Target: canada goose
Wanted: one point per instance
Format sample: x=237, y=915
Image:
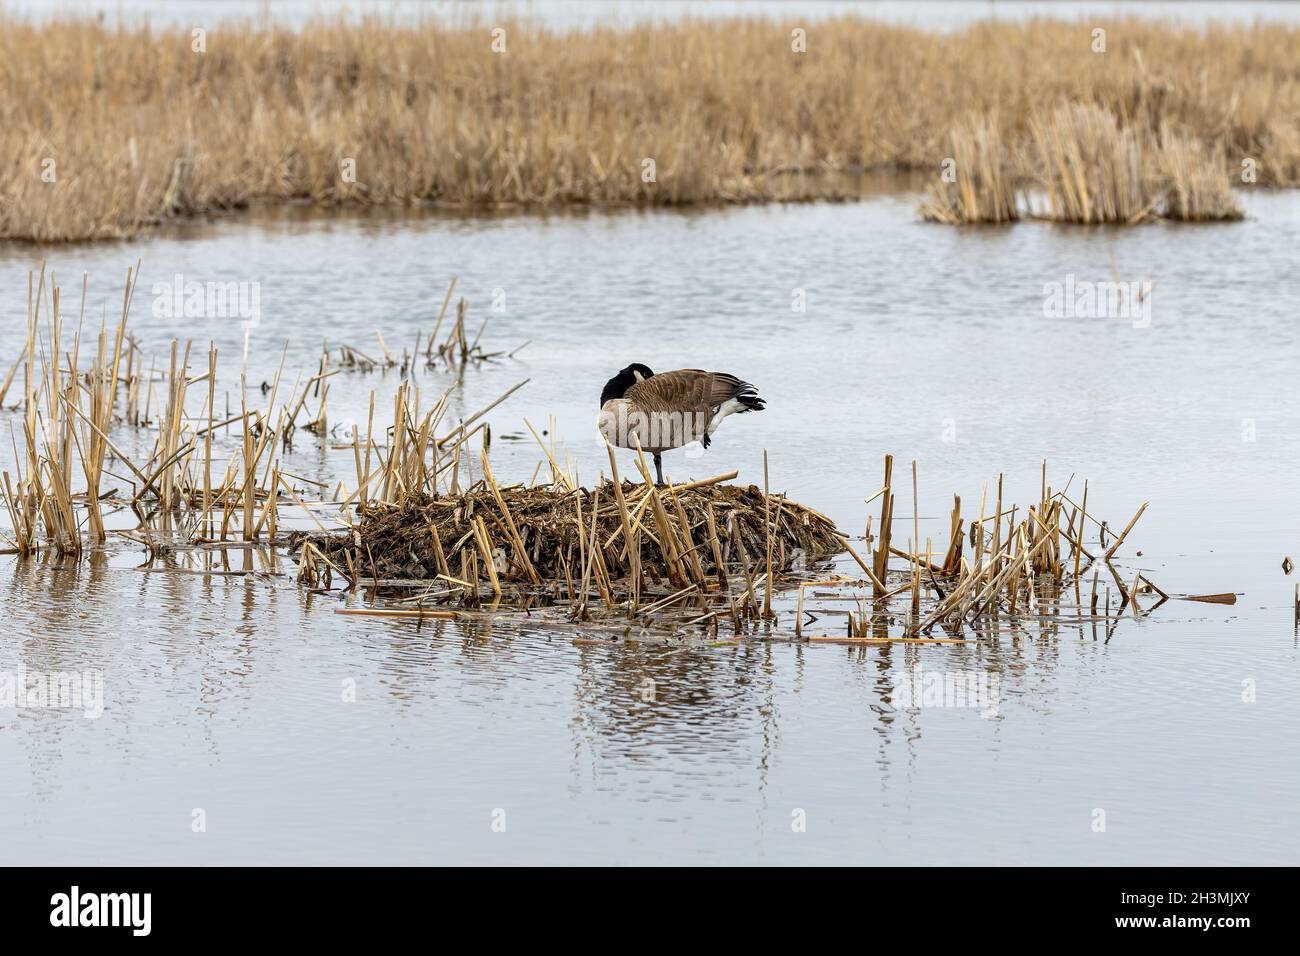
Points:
x=657, y=412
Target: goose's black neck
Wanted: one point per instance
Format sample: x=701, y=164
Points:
x=617, y=386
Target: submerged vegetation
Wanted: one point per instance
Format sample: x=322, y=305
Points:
x=105, y=131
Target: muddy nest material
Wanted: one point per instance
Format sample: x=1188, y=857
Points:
x=540, y=536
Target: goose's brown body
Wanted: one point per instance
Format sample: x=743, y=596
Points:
x=656, y=412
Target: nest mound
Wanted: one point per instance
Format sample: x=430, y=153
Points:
x=539, y=535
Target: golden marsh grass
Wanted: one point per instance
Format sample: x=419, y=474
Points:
x=105, y=131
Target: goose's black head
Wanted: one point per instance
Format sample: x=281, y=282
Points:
x=620, y=383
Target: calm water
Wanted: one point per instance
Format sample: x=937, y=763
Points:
x=225, y=693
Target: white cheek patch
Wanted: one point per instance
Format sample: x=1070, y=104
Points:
x=638, y=376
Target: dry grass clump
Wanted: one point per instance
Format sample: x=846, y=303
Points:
x=185, y=490
x=1082, y=165
x=67, y=412
x=1004, y=561
x=979, y=183
x=1090, y=168
x=140, y=127
x=1093, y=169
x=1193, y=185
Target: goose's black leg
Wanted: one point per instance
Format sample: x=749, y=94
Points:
x=659, y=471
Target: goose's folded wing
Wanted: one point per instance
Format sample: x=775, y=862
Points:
x=687, y=389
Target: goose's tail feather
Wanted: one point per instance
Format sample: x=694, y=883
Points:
x=747, y=396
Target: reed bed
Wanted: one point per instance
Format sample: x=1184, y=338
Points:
x=1082, y=165
x=993, y=566
x=67, y=415
x=71, y=412
x=1000, y=565
x=107, y=131
x=424, y=523
x=980, y=185
x=709, y=552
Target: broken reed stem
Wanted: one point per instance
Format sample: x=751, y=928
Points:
x=881, y=563
x=1124, y=534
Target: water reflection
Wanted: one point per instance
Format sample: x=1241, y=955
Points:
x=661, y=725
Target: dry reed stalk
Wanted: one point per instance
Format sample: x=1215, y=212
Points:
x=996, y=545
x=558, y=474
x=1083, y=516
x=1124, y=534
x=715, y=545
x=643, y=502
x=249, y=477
x=877, y=585
x=767, y=532
x=881, y=563
x=400, y=612
x=485, y=548
x=952, y=557
x=296, y=500
x=521, y=551
x=688, y=541
x=1226, y=598
x=668, y=543
x=272, y=505
x=207, y=439
x=747, y=599
x=875, y=641
x=1119, y=583
x=9, y=379
x=625, y=520
x=461, y=432
x=588, y=552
